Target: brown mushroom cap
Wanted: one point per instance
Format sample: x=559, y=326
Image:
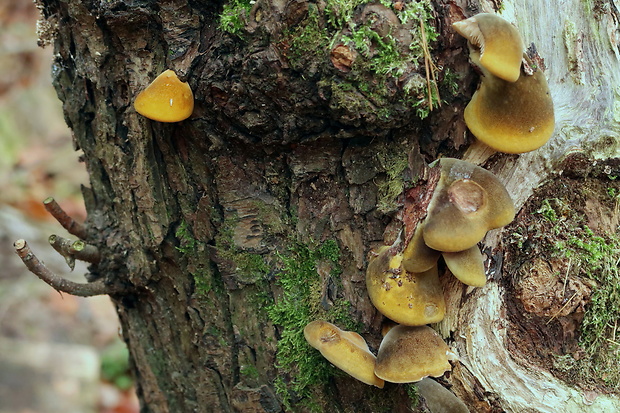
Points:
x=467, y=202
x=408, y=354
x=166, y=99
x=512, y=117
x=497, y=45
x=344, y=349
x=417, y=256
x=407, y=298
x=467, y=266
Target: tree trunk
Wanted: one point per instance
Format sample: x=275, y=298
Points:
x=233, y=229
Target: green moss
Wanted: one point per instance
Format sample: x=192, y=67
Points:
x=302, y=368
x=249, y=371
x=193, y=249
x=412, y=392
x=307, y=40
x=393, y=160
x=248, y=267
x=596, y=257
x=373, y=85
x=234, y=13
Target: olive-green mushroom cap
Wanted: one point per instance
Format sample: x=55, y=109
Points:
x=467, y=266
x=408, y=354
x=417, y=256
x=496, y=45
x=512, y=117
x=346, y=350
x=407, y=298
x=467, y=202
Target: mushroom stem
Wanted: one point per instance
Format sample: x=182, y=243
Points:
x=68, y=223
x=58, y=283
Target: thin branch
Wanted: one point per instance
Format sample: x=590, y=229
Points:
x=73, y=250
x=68, y=223
x=58, y=283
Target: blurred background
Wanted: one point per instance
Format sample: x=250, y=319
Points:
x=58, y=353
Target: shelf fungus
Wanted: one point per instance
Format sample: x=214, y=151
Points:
x=405, y=297
x=346, y=350
x=166, y=99
x=409, y=354
x=512, y=110
x=465, y=202
x=495, y=45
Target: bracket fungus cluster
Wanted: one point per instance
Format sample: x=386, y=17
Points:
x=402, y=280
x=166, y=99
x=512, y=110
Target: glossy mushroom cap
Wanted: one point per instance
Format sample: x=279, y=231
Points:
x=408, y=354
x=438, y=398
x=467, y=266
x=166, y=99
x=407, y=298
x=468, y=201
x=417, y=256
x=495, y=45
x=512, y=117
x=344, y=349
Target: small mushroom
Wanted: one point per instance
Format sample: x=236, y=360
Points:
x=495, y=45
x=166, y=99
x=467, y=202
x=407, y=298
x=346, y=350
x=417, y=256
x=512, y=117
x=467, y=266
x=408, y=354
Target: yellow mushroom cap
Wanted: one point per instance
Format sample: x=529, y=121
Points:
x=344, y=349
x=512, y=117
x=498, y=46
x=467, y=202
x=166, y=99
x=467, y=266
x=417, y=256
x=408, y=354
x=407, y=298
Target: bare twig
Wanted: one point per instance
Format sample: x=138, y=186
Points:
x=58, y=283
x=73, y=250
x=68, y=223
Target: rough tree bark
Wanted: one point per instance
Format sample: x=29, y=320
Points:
x=234, y=227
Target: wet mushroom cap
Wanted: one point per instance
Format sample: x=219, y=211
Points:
x=346, y=350
x=467, y=202
x=438, y=398
x=467, y=266
x=417, y=256
x=512, y=117
x=408, y=354
x=404, y=297
x=166, y=99
x=496, y=45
